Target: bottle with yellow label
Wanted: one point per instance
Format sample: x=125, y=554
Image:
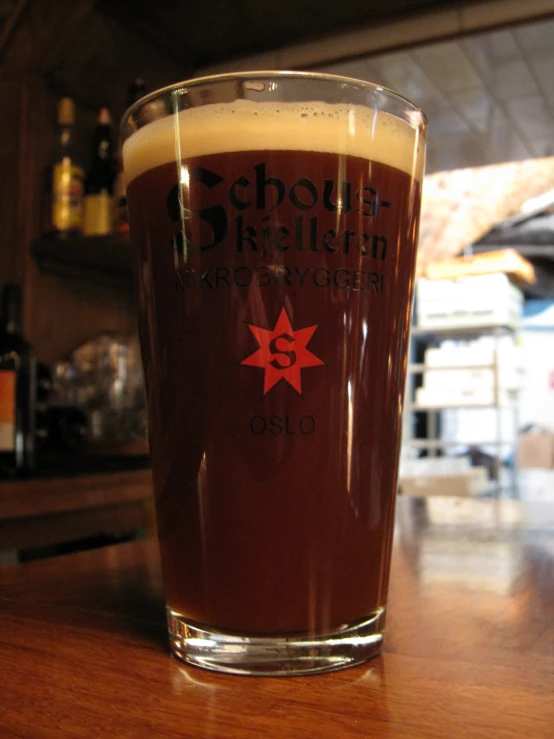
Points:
x=64, y=210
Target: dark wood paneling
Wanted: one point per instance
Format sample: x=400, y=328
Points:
x=202, y=33
x=105, y=256
x=98, y=64
x=61, y=47
x=40, y=38
x=11, y=268
x=69, y=311
x=60, y=312
x=84, y=53
x=83, y=287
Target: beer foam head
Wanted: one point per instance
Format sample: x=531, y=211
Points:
x=253, y=126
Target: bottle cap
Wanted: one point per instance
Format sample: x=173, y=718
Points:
x=66, y=112
x=11, y=307
x=136, y=90
x=11, y=292
x=104, y=116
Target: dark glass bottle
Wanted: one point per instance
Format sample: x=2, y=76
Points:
x=103, y=168
x=17, y=389
x=136, y=90
x=99, y=211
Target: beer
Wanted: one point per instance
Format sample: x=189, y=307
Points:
x=274, y=259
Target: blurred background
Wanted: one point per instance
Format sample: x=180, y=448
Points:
x=479, y=415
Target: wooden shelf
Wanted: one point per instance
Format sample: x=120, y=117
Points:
x=440, y=443
x=458, y=406
x=417, y=369
x=93, y=256
x=457, y=331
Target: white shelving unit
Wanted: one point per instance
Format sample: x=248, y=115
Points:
x=432, y=443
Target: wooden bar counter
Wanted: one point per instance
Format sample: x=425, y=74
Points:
x=469, y=648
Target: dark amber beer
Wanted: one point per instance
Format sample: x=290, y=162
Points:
x=274, y=247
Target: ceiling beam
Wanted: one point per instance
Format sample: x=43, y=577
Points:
x=423, y=28
x=80, y=52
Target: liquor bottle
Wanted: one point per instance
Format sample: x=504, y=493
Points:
x=135, y=91
x=64, y=208
x=17, y=389
x=99, y=210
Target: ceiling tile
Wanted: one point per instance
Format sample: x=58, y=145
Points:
x=505, y=142
x=456, y=153
x=401, y=72
x=516, y=150
x=542, y=146
x=359, y=69
x=536, y=40
x=500, y=134
x=499, y=46
x=443, y=119
x=483, y=95
x=505, y=77
x=440, y=158
x=513, y=78
x=396, y=71
x=475, y=151
x=531, y=115
x=475, y=106
x=543, y=68
x=447, y=67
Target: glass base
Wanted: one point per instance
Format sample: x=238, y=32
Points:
x=300, y=654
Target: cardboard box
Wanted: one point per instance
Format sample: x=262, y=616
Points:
x=471, y=482
x=475, y=353
x=463, y=302
x=472, y=380
x=536, y=450
x=426, y=397
x=519, y=270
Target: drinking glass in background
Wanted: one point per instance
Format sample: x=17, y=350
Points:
x=274, y=222
x=103, y=378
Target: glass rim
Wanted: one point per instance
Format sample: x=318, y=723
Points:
x=265, y=74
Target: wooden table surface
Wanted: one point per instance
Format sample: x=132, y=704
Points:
x=469, y=646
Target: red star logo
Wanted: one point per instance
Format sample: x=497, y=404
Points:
x=283, y=352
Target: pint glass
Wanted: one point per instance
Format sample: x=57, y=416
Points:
x=274, y=220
